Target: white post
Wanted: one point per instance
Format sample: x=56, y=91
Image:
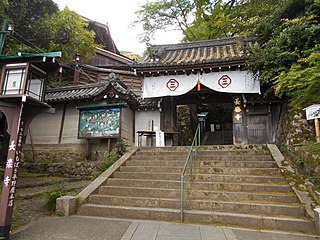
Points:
x=317, y=127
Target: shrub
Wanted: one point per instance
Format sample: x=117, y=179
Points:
x=312, y=147
x=52, y=198
x=119, y=150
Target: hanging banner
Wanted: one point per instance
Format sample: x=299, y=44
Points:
x=171, y=85
x=175, y=85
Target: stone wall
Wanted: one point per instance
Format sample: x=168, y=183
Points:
x=308, y=163
x=62, y=159
x=294, y=128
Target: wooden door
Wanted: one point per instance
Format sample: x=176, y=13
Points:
x=257, y=128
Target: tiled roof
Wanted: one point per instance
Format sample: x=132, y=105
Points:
x=149, y=103
x=106, y=70
x=194, y=53
x=74, y=93
x=87, y=92
x=118, y=85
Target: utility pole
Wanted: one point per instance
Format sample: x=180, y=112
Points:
x=3, y=34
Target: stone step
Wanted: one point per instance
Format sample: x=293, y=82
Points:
x=201, y=150
x=231, y=185
x=231, y=163
x=239, y=178
x=207, y=170
x=147, y=175
x=238, y=207
x=202, y=177
x=204, y=163
x=248, y=187
x=199, y=194
x=203, y=157
x=218, y=218
x=282, y=223
x=236, y=157
x=160, y=214
x=210, y=152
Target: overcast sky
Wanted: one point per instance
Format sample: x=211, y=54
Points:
x=119, y=15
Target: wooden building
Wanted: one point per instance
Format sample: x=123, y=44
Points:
x=103, y=87
x=211, y=77
x=97, y=114
x=107, y=59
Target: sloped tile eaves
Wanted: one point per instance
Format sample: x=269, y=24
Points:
x=74, y=94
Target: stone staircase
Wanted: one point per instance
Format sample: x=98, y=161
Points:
x=232, y=186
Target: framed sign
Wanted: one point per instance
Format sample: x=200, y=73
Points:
x=99, y=123
x=313, y=111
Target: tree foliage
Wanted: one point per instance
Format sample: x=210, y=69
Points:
x=289, y=42
x=302, y=81
x=3, y=6
x=39, y=26
x=136, y=57
x=288, y=33
x=68, y=27
x=23, y=13
x=163, y=15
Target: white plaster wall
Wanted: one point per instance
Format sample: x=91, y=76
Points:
x=45, y=128
x=70, y=128
x=127, y=131
x=143, y=122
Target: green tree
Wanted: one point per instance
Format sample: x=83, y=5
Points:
x=136, y=57
x=68, y=27
x=23, y=16
x=39, y=26
x=302, y=81
x=288, y=33
x=197, y=19
x=3, y=6
x=285, y=42
x=164, y=15
x=214, y=19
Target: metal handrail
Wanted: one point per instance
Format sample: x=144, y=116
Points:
x=192, y=154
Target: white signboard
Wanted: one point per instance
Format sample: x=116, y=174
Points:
x=175, y=85
x=313, y=111
x=160, y=139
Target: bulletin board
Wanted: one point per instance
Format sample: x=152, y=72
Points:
x=99, y=123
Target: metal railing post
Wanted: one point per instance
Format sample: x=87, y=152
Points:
x=192, y=154
x=199, y=136
x=182, y=198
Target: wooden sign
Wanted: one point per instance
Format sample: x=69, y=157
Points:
x=313, y=111
x=99, y=123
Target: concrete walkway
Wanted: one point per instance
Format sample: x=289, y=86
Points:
x=92, y=228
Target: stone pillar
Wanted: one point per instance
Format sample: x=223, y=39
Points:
x=66, y=205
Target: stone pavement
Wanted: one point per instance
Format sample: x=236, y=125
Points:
x=93, y=228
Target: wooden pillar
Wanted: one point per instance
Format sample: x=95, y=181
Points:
x=62, y=123
x=169, y=115
x=11, y=170
x=238, y=121
x=76, y=76
x=317, y=127
x=88, y=149
x=19, y=117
